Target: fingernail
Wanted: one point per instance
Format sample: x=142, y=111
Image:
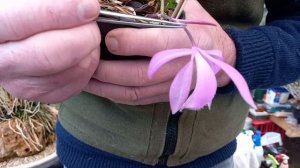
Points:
x=112, y=44
x=88, y=9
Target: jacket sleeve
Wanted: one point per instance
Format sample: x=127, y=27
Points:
x=269, y=55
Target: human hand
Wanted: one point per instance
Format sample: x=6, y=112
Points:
x=127, y=82
x=49, y=49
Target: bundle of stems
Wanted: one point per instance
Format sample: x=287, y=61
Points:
x=144, y=7
x=26, y=118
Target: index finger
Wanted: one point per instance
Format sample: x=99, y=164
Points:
x=134, y=72
x=23, y=18
x=145, y=42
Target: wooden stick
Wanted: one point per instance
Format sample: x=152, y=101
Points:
x=178, y=8
x=162, y=7
x=181, y=9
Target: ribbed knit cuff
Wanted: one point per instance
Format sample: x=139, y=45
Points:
x=76, y=154
x=255, y=57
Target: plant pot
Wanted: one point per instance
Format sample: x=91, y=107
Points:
x=106, y=27
x=104, y=53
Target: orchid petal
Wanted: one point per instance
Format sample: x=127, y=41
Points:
x=236, y=77
x=214, y=67
x=218, y=55
x=165, y=56
x=206, y=85
x=181, y=86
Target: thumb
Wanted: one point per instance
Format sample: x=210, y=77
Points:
x=147, y=42
x=23, y=18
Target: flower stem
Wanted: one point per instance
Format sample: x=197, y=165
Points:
x=190, y=37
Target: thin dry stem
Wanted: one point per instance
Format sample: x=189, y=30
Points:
x=177, y=9
x=162, y=7
x=181, y=9
x=134, y=7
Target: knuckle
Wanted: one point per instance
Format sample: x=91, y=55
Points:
x=102, y=73
x=94, y=63
x=132, y=95
x=141, y=73
x=98, y=90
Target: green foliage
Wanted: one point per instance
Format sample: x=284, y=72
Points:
x=171, y=4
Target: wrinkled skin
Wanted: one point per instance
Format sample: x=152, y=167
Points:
x=49, y=49
x=127, y=82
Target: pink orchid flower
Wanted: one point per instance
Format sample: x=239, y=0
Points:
x=207, y=63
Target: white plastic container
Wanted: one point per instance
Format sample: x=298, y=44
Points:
x=259, y=151
x=276, y=96
x=271, y=138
